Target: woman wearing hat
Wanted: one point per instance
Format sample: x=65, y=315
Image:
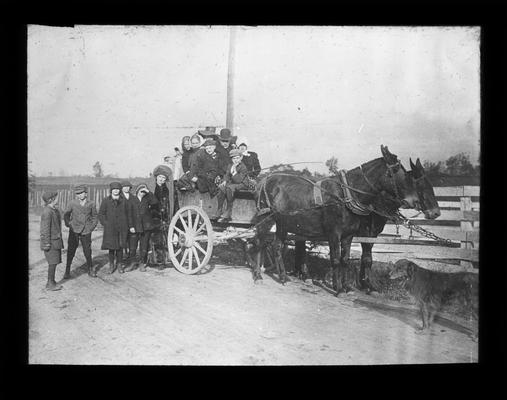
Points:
x=51, y=237
x=81, y=219
x=234, y=179
x=146, y=208
x=113, y=216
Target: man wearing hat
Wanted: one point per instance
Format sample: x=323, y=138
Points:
x=226, y=142
x=113, y=216
x=234, y=179
x=250, y=159
x=207, y=171
x=51, y=237
x=130, y=199
x=81, y=219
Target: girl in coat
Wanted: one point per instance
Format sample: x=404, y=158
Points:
x=113, y=216
x=51, y=237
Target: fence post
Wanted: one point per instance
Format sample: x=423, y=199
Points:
x=466, y=226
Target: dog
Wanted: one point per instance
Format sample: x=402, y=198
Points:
x=431, y=289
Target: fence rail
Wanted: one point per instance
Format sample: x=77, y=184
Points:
x=460, y=210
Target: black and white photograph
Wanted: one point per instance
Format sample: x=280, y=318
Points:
x=272, y=195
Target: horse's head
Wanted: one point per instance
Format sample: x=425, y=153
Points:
x=426, y=201
x=397, y=181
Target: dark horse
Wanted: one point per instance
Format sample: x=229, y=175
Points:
x=381, y=185
x=373, y=224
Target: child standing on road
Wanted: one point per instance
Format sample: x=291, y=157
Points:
x=51, y=237
x=113, y=216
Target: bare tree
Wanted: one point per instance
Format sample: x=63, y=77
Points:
x=97, y=170
x=332, y=164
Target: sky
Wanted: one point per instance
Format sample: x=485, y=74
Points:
x=125, y=95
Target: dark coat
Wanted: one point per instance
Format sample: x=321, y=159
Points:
x=51, y=229
x=207, y=166
x=146, y=213
x=130, y=209
x=185, y=159
x=252, y=164
x=239, y=177
x=113, y=216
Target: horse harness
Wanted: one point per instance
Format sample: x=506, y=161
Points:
x=348, y=200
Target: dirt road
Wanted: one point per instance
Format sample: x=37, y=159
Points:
x=221, y=318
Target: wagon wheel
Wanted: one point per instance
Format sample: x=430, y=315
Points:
x=190, y=239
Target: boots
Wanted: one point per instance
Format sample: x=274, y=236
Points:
x=52, y=285
x=119, y=261
x=91, y=271
x=112, y=266
x=66, y=275
x=226, y=217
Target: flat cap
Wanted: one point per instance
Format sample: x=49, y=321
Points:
x=48, y=196
x=125, y=183
x=80, y=189
x=235, y=152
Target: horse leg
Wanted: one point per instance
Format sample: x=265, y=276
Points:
x=344, y=262
x=300, y=267
x=365, y=271
x=334, y=256
x=278, y=244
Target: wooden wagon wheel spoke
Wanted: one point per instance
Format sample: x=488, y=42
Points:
x=203, y=225
x=183, y=223
x=196, y=255
x=178, y=252
x=197, y=245
x=196, y=222
x=190, y=258
x=179, y=230
x=184, y=258
x=201, y=238
x=189, y=219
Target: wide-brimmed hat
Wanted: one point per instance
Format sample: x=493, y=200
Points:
x=209, y=142
x=226, y=136
x=142, y=186
x=115, y=185
x=235, y=152
x=80, y=189
x=208, y=131
x=48, y=196
x=126, y=183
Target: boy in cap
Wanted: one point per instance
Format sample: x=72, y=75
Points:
x=51, y=237
x=234, y=179
x=81, y=219
x=113, y=216
x=130, y=199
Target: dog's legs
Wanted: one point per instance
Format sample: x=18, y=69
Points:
x=423, y=307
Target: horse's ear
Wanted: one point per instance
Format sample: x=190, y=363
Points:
x=418, y=164
x=412, y=166
x=383, y=150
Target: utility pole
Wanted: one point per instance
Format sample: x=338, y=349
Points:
x=229, y=123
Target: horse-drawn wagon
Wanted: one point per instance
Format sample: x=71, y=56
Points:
x=191, y=234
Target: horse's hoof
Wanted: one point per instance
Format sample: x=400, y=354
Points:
x=258, y=281
x=421, y=331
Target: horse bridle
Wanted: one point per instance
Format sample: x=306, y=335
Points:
x=390, y=173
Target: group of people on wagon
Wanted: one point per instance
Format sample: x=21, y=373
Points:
x=218, y=165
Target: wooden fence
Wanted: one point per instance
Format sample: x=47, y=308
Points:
x=459, y=222
x=95, y=194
